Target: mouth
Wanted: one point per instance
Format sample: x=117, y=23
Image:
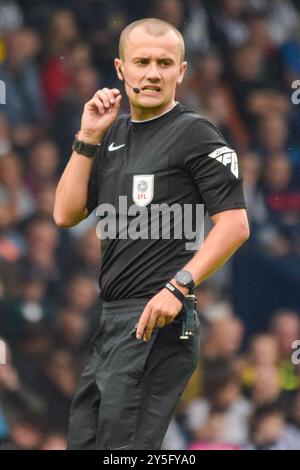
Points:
x=153, y=88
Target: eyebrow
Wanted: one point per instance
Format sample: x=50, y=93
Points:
x=170, y=59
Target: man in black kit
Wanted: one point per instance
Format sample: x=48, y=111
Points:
x=163, y=153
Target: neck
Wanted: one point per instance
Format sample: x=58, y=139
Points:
x=141, y=114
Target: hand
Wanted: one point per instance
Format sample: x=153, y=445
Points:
x=159, y=311
x=99, y=114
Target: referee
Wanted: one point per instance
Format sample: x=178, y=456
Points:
x=162, y=153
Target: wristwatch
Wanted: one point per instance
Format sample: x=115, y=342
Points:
x=185, y=279
x=88, y=150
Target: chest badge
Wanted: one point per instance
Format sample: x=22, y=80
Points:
x=143, y=189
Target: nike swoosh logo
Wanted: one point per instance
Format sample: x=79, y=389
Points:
x=111, y=148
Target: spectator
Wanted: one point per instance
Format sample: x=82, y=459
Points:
x=26, y=311
x=286, y=327
x=56, y=382
x=11, y=18
x=62, y=35
x=223, y=339
x=12, y=184
x=267, y=388
x=252, y=172
x=41, y=244
x=269, y=431
x=221, y=415
x=71, y=330
x=196, y=30
x=25, y=109
x=283, y=20
x=42, y=164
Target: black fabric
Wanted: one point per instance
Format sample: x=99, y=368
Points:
x=129, y=389
x=176, y=148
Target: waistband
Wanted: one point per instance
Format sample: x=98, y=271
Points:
x=117, y=306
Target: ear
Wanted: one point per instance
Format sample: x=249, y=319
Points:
x=118, y=65
x=182, y=70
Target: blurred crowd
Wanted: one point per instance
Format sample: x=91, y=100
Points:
x=243, y=57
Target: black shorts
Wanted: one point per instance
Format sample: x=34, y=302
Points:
x=129, y=389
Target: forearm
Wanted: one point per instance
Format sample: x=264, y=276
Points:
x=226, y=236
x=218, y=247
x=72, y=190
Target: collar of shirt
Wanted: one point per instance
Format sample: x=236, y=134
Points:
x=155, y=117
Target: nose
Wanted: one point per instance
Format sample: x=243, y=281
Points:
x=153, y=72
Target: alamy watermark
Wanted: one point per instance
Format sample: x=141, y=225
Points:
x=2, y=92
x=296, y=94
x=153, y=222
x=296, y=354
x=2, y=352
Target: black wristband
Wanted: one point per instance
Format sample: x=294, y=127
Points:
x=82, y=148
x=178, y=294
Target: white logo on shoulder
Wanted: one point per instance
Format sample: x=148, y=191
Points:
x=111, y=148
x=143, y=189
x=227, y=157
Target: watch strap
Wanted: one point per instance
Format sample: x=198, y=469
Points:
x=83, y=148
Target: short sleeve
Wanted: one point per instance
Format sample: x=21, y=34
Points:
x=214, y=168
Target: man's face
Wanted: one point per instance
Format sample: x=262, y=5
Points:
x=152, y=64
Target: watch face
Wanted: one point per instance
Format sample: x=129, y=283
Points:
x=184, y=278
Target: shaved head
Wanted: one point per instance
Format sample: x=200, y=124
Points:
x=154, y=27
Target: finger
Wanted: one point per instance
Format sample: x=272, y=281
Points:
x=108, y=96
x=150, y=327
x=99, y=104
x=161, y=321
x=117, y=103
x=169, y=320
x=143, y=321
x=94, y=105
x=103, y=97
x=115, y=91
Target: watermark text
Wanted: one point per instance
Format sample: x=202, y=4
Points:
x=2, y=352
x=2, y=92
x=296, y=94
x=152, y=222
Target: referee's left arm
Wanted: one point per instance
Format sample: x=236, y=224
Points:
x=230, y=231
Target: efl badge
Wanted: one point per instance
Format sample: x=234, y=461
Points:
x=143, y=189
x=227, y=157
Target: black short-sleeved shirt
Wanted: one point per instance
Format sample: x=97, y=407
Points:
x=177, y=157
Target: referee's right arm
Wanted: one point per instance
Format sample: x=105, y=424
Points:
x=72, y=191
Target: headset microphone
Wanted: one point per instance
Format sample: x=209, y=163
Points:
x=135, y=89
